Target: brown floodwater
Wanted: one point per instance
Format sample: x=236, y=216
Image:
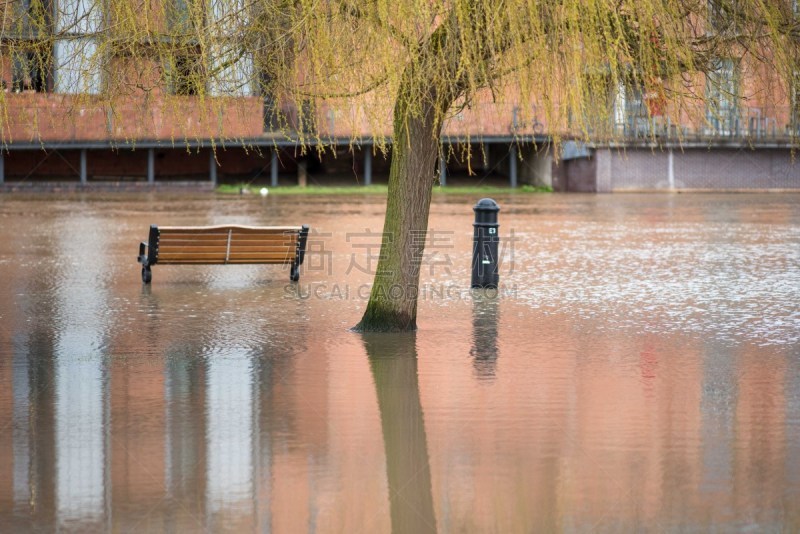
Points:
x=638, y=369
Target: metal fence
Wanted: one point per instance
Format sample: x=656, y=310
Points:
x=743, y=124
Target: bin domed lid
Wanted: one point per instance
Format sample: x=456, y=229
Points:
x=486, y=204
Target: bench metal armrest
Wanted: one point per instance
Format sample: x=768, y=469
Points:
x=301, y=244
x=152, y=247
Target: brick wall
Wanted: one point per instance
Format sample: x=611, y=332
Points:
x=53, y=117
x=703, y=168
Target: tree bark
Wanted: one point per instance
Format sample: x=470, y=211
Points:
x=429, y=86
x=392, y=304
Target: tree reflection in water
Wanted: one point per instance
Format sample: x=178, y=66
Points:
x=393, y=362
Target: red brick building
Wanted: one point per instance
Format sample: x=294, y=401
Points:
x=72, y=117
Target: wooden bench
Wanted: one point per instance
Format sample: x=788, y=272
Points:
x=207, y=245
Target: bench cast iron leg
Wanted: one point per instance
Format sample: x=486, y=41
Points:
x=294, y=274
x=147, y=274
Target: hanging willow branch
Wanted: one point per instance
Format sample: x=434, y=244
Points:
x=566, y=58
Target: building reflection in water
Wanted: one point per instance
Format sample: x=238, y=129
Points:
x=393, y=362
x=81, y=410
x=718, y=411
x=219, y=411
x=21, y=439
x=230, y=438
x=277, y=421
x=184, y=443
x=27, y=457
x=484, y=332
x=792, y=460
x=230, y=429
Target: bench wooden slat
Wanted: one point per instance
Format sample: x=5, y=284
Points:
x=224, y=243
x=224, y=229
x=222, y=262
x=178, y=256
x=234, y=231
x=200, y=237
x=241, y=249
x=221, y=257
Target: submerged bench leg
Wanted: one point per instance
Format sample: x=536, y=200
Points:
x=147, y=274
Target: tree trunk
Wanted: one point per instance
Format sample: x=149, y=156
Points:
x=429, y=86
x=392, y=305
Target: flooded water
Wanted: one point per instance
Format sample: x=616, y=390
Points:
x=638, y=369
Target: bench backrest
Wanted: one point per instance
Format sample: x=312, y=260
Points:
x=226, y=244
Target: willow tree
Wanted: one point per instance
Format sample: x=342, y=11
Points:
x=411, y=64
x=565, y=56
